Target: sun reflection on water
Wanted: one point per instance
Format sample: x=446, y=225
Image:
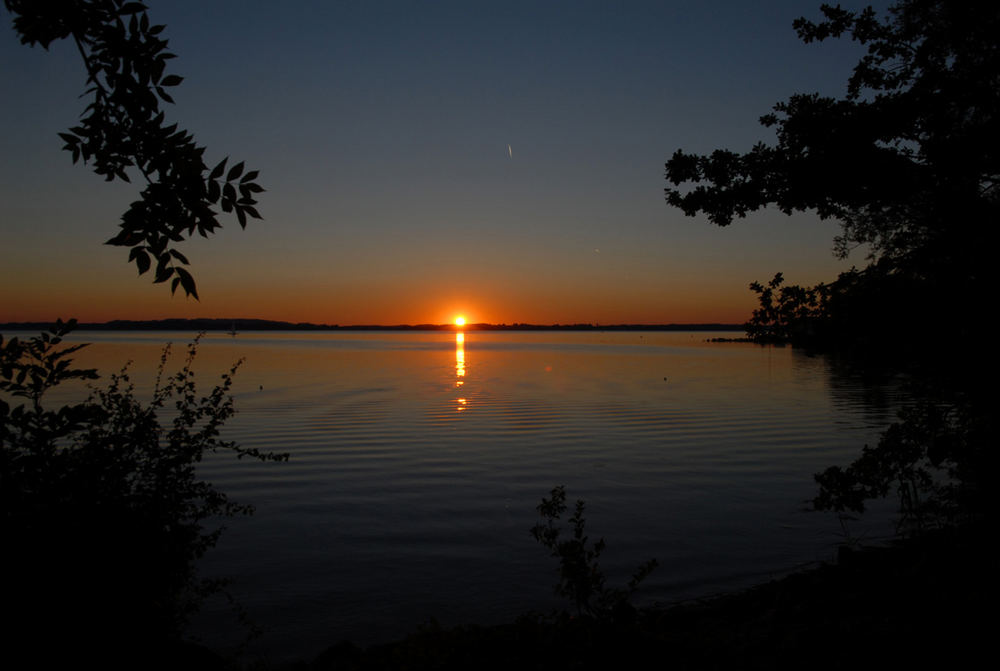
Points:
x=460, y=368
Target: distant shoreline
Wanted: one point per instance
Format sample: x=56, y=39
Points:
x=238, y=325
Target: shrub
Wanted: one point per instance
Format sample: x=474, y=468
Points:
x=104, y=515
x=581, y=578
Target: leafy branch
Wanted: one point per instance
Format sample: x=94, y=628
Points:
x=123, y=128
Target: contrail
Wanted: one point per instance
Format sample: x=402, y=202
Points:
x=510, y=152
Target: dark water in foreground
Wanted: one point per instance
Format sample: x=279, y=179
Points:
x=417, y=460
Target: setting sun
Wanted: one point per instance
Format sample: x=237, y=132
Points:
x=459, y=321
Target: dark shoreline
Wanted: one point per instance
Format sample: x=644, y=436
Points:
x=230, y=325
x=918, y=602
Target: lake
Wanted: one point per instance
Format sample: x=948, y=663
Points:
x=418, y=458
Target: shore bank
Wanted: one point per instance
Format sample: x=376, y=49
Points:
x=919, y=601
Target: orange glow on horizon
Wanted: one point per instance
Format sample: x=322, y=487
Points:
x=359, y=305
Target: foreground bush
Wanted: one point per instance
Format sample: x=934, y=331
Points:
x=103, y=512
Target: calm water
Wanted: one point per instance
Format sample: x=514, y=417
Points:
x=417, y=460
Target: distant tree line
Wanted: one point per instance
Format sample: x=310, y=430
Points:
x=229, y=325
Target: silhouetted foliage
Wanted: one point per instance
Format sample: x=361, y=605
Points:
x=581, y=578
x=900, y=160
x=870, y=314
x=103, y=512
x=908, y=160
x=123, y=129
x=786, y=313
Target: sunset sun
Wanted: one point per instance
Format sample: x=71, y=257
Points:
x=460, y=321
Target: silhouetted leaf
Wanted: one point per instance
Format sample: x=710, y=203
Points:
x=163, y=273
x=187, y=281
x=217, y=170
x=142, y=260
x=163, y=94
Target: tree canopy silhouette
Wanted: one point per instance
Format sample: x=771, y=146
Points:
x=123, y=129
x=908, y=161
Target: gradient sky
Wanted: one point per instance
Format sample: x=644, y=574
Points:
x=381, y=132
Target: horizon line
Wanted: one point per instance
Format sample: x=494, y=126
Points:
x=251, y=324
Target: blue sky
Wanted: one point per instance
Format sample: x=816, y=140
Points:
x=381, y=133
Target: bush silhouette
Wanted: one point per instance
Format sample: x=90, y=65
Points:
x=581, y=578
x=104, y=515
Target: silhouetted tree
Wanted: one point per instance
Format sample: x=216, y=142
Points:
x=908, y=160
x=123, y=130
x=786, y=313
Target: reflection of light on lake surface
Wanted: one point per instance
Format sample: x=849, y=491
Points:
x=460, y=368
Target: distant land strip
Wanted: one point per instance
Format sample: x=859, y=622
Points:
x=237, y=325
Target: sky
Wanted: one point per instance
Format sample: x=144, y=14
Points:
x=500, y=160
